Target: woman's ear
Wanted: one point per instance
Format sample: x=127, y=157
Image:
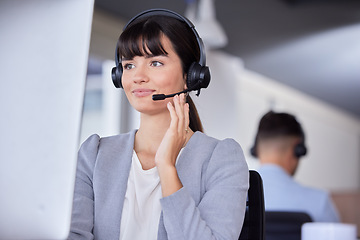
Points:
x=185, y=85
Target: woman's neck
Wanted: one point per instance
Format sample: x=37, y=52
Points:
x=151, y=132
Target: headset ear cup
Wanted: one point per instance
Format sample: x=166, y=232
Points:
x=204, y=77
x=253, y=151
x=116, y=74
x=300, y=150
x=198, y=76
x=191, y=80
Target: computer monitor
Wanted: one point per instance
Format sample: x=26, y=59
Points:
x=44, y=47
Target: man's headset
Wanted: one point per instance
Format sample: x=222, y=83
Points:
x=198, y=74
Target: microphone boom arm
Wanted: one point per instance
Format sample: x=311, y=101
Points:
x=157, y=97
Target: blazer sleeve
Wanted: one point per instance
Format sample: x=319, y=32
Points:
x=220, y=213
x=82, y=221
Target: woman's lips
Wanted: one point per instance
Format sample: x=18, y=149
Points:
x=143, y=92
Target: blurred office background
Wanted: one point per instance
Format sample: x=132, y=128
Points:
x=298, y=56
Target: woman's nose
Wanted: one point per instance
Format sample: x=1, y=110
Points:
x=141, y=75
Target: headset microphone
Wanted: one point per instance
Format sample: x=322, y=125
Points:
x=157, y=97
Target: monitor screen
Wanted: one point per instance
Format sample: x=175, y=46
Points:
x=44, y=47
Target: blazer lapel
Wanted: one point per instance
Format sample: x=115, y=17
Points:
x=111, y=192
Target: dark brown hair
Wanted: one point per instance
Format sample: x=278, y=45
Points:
x=143, y=37
x=274, y=125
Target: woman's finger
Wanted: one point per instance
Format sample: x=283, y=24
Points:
x=173, y=115
x=179, y=108
x=187, y=116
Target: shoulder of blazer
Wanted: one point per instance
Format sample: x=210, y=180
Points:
x=202, y=139
x=115, y=149
x=202, y=142
x=119, y=139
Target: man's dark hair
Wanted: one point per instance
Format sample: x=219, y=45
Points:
x=279, y=125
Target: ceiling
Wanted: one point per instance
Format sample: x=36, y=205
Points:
x=311, y=45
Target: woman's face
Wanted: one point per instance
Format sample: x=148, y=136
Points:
x=144, y=76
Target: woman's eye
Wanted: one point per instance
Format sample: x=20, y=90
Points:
x=156, y=64
x=128, y=66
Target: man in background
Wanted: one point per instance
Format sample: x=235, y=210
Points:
x=279, y=145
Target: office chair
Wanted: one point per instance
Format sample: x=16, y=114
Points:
x=284, y=225
x=253, y=227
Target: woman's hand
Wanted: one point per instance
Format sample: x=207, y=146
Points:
x=176, y=135
x=170, y=146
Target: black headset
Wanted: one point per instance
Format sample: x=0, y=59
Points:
x=198, y=75
x=300, y=149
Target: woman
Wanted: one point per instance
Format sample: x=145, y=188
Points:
x=166, y=180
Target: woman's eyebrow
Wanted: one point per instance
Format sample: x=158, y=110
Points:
x=146, y=56
x=153, y=55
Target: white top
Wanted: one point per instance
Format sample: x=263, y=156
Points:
x=141, y=210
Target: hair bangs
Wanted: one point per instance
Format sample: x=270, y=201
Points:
x=141, y=40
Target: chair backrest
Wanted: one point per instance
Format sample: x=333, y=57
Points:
x=284, y=225
x=253, y=227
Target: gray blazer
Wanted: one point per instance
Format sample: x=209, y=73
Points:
x=211, y=204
